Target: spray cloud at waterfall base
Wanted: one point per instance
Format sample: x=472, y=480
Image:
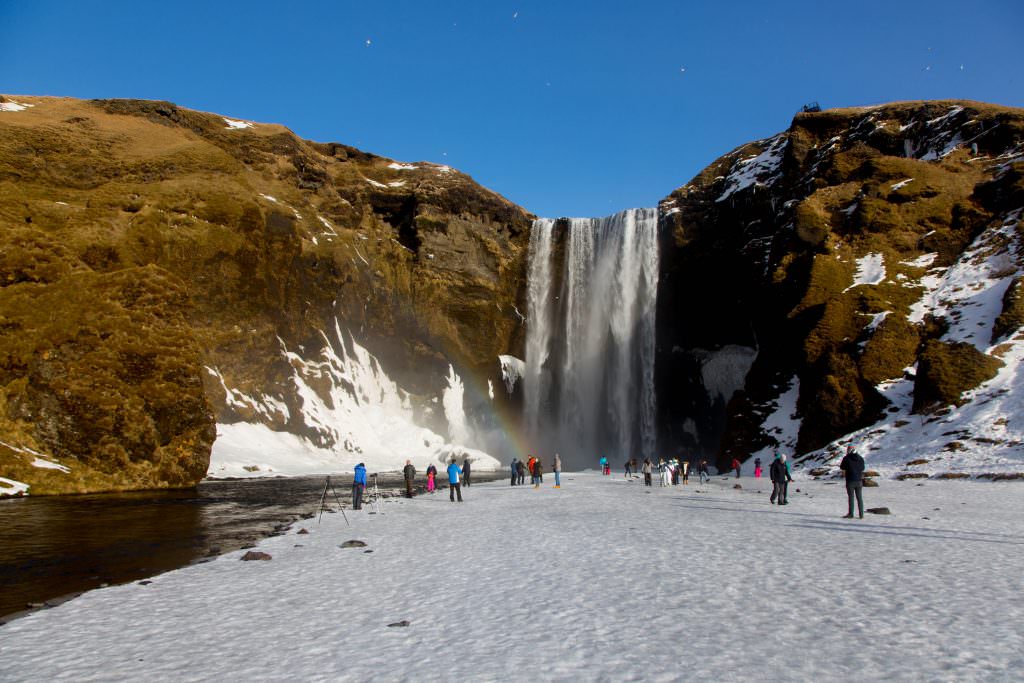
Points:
x=588, y=379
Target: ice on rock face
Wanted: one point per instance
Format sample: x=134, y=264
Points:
x=724, y=372
x=350, y=410
x=512, y=370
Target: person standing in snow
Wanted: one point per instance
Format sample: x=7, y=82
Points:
x=853, y=466
x=605, y=467
x=431, y=478
x=785, y=482
x=663, y=467
x=627, y=469
x=757, y=468
x=521, y=471
x=538, y=468
x=410, y=474
x=702, y=470
x=685, y=465
x=736, y=467
x=777, y=473
x=646, y=469
x=465, y=471
x=557, y=468
x=454, y=487
x=358, y=486
x=529, y=466
x=515, y=470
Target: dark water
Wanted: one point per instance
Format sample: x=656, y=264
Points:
x=59, y=546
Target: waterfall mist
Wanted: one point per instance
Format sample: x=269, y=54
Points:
x=589, y=376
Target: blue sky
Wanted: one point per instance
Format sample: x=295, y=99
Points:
x=567, y=108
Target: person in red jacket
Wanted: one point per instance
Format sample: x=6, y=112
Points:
x=736, y=467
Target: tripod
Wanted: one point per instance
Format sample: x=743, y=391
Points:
x=323, y=499
x=375, y=497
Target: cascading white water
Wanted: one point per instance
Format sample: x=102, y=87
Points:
x=589, y=377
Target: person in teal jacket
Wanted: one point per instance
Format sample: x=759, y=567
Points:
x=454, y=487
x=358, y=486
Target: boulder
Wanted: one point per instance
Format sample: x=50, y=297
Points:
x=255, y=555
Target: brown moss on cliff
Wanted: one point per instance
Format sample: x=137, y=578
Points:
x=946, y=370
x=276, y=237
x=101, y=372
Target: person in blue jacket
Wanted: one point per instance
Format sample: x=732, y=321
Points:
x=454, y=487
x=358, y=486
x=515, y=470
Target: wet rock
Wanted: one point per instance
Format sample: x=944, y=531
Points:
x=737, y=486
x=145, y=583
x=400, y=624
x=870, y=483
x=353, y=544
x=878, y=511
x=255, y=555
x=303, y=532
x=911, y=475
x=367, y=551
x=35, y=605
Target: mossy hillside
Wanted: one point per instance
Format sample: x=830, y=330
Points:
x=101, y=372
x=947, y=370
x=275, y=239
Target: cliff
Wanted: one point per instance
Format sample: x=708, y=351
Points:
x=860, y=267
x=162, y=269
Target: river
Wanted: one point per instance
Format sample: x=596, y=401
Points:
x=55, y=547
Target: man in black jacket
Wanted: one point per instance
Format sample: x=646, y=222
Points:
x=465, y=471
x=853, y=466
x=780, y=477
x=410, y=474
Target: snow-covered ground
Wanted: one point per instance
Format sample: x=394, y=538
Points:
x=599, y=580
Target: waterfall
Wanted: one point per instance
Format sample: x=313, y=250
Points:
x=589, y=377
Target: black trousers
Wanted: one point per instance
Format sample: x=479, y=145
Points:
x=357, y=496
x=465, y=478
x=855, y=489
x=522, y=478
x=647, y=478
x=453, y=490
x=515, y=478
x=408, y=488
x=777, y=491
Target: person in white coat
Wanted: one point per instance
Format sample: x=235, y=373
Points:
x=666, y=473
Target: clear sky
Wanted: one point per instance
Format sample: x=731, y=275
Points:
x=572, y=107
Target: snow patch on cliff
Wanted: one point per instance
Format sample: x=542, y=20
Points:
x=761, y=170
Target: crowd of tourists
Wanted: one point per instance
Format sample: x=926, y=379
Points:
x=671, y=472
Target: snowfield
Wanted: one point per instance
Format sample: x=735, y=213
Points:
x=603, y=579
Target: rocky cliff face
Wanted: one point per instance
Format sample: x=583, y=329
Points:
x=149, y=251
x=863, y=265
x=858, y=276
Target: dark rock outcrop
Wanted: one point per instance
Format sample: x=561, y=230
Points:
x=805, y=249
